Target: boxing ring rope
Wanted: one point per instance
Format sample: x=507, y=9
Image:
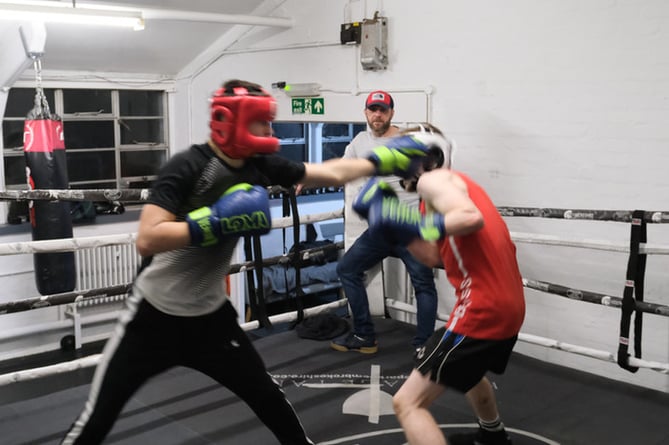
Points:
x=92, y=360
x=142, y=195
x=551, y=343
x=74, y=195
x=584, y=214
x=593, y=297
x=550, y=240
x=72, y=244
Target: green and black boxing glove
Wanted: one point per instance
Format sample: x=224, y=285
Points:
x=242, y=210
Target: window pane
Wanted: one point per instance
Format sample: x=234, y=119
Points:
x=357, y=128
x=15, y=170
x=335, y=130
x=21, y=100
x=288, y=131
x=295, y=152
x=90, y=166
x=88, y=134
x=12, y=134
x=141, y=131
x=142, y=163
x=141, y=103
x=87, y=101
x=333, y=150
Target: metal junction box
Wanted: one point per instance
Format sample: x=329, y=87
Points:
x=374, y=43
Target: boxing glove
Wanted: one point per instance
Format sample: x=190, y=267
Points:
x=402, y=223
x=373, y=191
x=401, y=156
x=242, y=210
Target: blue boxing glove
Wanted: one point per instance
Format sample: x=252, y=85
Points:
x=242, y=210
x=403, y=223
x=373, y=191
x=400, y=156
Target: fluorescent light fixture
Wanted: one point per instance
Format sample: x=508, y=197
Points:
x=302, y=89
x=57, y=12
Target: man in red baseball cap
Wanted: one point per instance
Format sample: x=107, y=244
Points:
x=379, y=111
x=368, y=250
x=381, y=99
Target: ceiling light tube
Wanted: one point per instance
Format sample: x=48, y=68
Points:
x=68, y=14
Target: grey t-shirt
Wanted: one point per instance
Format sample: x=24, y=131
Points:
x=190, y=281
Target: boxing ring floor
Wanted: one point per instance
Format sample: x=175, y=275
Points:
x=539, y=402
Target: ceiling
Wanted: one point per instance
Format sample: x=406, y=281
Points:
x=175, y=33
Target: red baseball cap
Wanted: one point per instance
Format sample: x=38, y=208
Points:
x=380, y=98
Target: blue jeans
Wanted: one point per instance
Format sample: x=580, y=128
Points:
x=367, y=251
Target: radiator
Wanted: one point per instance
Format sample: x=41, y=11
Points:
x=101, y=267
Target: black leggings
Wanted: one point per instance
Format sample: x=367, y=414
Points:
x=147, y=342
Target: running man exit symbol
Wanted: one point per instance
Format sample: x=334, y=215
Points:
x=308, y=105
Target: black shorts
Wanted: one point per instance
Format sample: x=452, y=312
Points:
x=460, y=362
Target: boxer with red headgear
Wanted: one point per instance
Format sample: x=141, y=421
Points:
x=204, y=199
x=232, y=110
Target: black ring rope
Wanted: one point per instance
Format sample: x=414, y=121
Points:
x=62, y=298
x=594, y=297
x=543, y=286
x=307, y=255
x=114, y=195
x=585, y=214
x=634, y=282
x=111, y=195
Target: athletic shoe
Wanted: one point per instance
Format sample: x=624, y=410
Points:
x=352, y=342
x=481, y=437
x=485, y=437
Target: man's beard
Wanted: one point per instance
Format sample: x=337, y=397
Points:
x=380, y=127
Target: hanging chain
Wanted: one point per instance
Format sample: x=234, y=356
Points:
x=41, y=104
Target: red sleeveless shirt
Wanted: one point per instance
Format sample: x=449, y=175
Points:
x=483, y=269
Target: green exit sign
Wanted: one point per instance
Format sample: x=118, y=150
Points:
x=308, y=105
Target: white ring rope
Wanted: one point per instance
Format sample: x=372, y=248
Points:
x=550, y=240
x=72, y=244
x=92, y=360
x=30, y=374
x=81, y=296
x=602, y=215
x=553, y=344
x=66, y=244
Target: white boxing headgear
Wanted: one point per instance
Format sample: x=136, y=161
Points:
x=440, y=147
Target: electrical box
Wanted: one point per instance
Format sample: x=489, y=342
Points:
x=350, y=33
x=374, y=43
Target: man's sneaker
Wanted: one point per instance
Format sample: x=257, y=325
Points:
x=352, y=342
x=485, y=437
x=480, y=437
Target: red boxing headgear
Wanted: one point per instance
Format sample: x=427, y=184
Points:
x=231, y=114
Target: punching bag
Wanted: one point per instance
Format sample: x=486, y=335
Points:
x=46, y=168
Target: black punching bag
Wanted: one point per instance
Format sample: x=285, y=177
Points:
x=44, y=149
